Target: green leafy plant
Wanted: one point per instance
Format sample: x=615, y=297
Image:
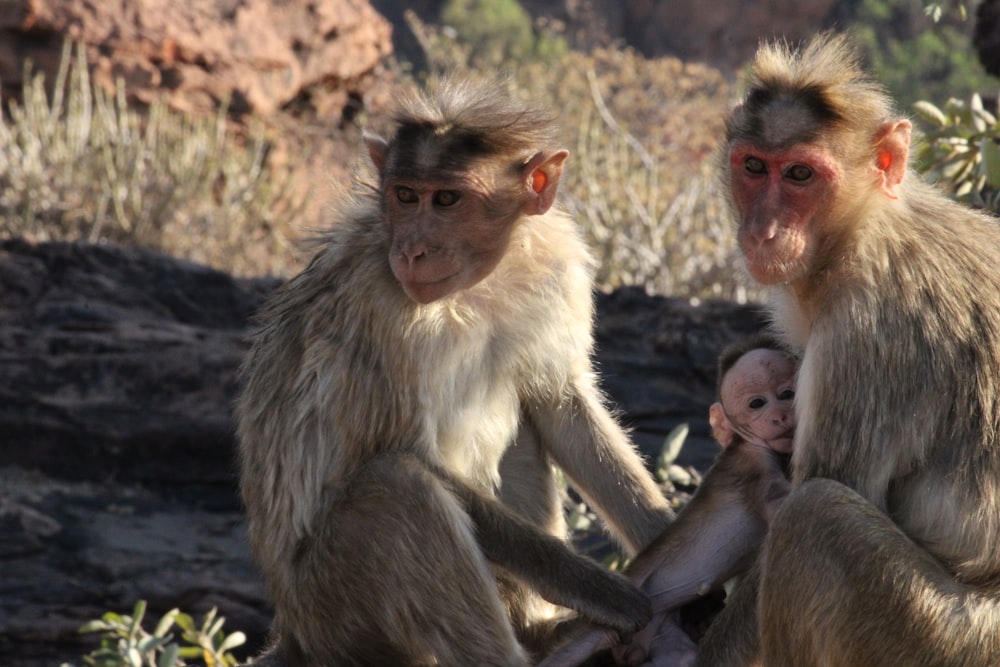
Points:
x=961, y=150
x=124, y=642
x=498, y=31
x=918, y=51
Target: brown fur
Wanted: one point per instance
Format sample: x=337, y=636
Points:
x=395, y=455
x=886, y=550
x=715, y=538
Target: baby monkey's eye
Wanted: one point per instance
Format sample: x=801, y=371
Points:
x=756, y=403
x=787, y=395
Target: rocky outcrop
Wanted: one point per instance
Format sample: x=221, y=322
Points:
x=722, y=33
x=117, y=479
x=259, y=55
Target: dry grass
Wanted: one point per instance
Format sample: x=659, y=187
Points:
x=79, y=163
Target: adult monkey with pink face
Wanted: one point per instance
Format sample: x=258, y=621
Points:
x=407, y=394
x=885, y=551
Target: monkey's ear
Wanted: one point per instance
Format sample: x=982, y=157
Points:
x=892, y=145
x=377, y=149
x=541, y=180
x=722, y=428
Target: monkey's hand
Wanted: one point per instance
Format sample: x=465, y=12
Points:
x=609, y=599
x=550, y=566
x=662, y=643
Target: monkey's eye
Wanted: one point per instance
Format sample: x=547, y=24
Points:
x=799, y=172
x=756, y=403
x=755, y=165
x=786, y=395
x=407, y=195
x=446, y=197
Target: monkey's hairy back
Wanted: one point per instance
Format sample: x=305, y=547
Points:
x=345, y=367
x=934, y=344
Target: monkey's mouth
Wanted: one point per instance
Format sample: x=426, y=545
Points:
x=427, y=291
x=783, y=443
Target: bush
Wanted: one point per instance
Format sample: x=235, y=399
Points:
x=81, y=164
x=125, y=643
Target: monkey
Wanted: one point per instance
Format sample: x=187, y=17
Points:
x=719, y=531
x=406, y=396
x=885, y=550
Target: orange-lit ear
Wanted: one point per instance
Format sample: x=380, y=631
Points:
x=541, y=180
x=722, y=428
x=377, y=149
x=892, y=145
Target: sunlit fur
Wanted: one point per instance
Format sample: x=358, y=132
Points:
x=353, y=393
x=898, y=400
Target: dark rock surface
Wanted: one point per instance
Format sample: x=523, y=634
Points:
x=117, y=480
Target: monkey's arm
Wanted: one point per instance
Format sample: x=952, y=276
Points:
x=584, y=440
x=551, y=567
x=713, y=539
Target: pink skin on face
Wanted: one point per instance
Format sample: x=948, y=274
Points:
x=758, y=394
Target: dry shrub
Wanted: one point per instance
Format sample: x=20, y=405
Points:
x=79, y=163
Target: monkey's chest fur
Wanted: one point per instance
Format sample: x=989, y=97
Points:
x=340, y=376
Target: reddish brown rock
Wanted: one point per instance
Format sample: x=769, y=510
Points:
x=256, y=53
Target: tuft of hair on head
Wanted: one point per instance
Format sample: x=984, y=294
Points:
x=825, y=76
x=458, y=119
x=734, y=351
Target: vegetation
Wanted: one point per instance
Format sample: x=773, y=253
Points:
x=80, y=163
x=920, y=51
x=962, y=150
x=125, y=643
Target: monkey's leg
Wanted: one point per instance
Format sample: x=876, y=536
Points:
x=527, y=486
x=393, y=575
x=733, y=638
x=842, y=585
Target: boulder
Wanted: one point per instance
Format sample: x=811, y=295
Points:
x=259, y=55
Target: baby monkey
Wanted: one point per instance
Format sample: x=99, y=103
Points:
x=719, y=532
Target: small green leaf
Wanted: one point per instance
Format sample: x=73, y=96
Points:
x=990, y=151
x=151, y=643
x=169, y=656
x=163, y=627
x=232, y=641
x=184, y=622
x=930, y=113
x=672, y=445
x=94, y=626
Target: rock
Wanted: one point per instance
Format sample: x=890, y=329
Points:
x=118, y=364
x=117, y=476
x=986, y=38
x=722, y=33
x=255, y=53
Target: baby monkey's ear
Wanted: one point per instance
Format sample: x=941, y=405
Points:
x=722, y=428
